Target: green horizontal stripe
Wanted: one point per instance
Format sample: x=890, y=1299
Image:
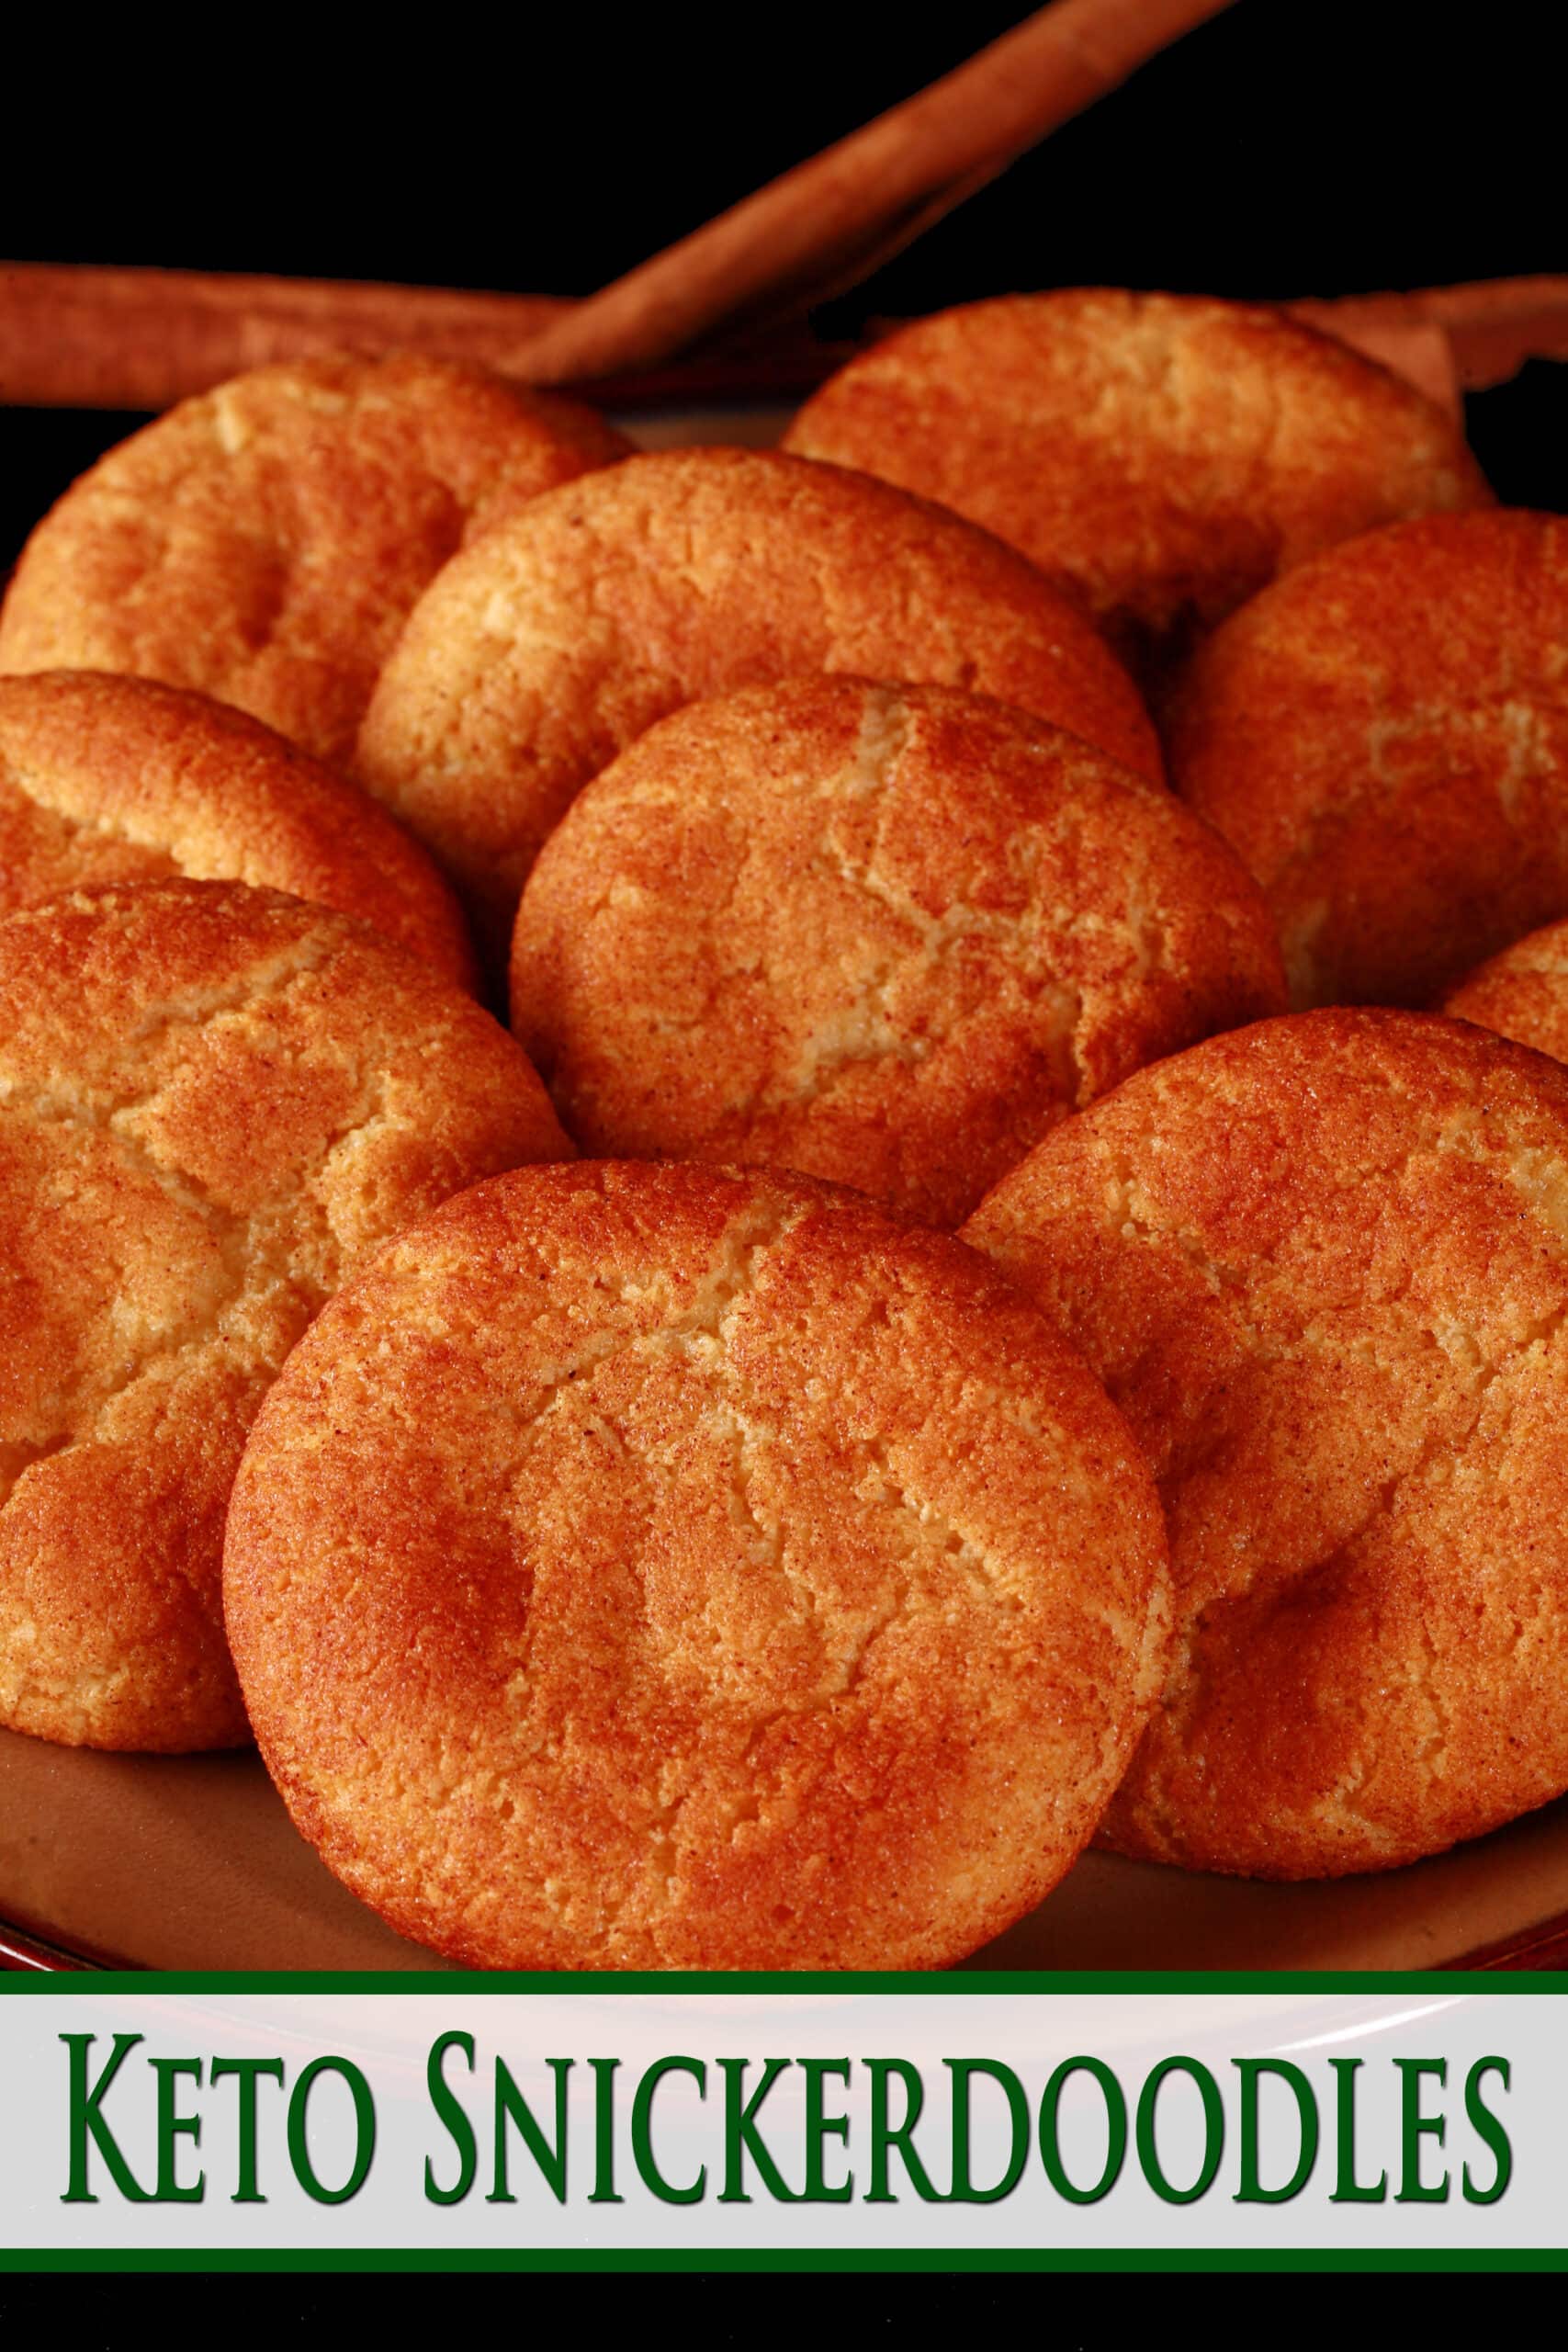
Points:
x=823, y=2258
x=454, y=1982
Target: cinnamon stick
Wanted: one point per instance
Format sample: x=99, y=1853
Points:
x=1493, y=326
x=81, y=337
x=829, y=220
x=142, y=339
x=88, y=337
x=1408, y=346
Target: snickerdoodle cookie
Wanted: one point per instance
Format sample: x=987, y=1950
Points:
x=264, y=541
x=106, y=779
x=663, y=1568
x=1383, y=737
x=213, y=1102
x=1163, y=457
x=885, y=935
x=1522, y=993
x=543, y=650
x=1321, y=1265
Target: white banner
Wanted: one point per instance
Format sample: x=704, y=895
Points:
x=454, y=2119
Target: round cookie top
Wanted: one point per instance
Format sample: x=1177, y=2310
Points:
x=668, y=1567
x=1321, y=1265
x=264, y=542
x=1163, y=457
x=1522, y=993
x=108, y=779
x=545, y=649
x=1383, y=737
x=885, y=935
x=214, y=1101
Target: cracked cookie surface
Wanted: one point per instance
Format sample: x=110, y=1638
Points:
x=110, y=779
x=1321, y=1265
x=213, y=1102
x=663, y=1567
x=1161, y=456
x=546, y=648
x=1383, y=737
x=264, y=542
x=886, y=936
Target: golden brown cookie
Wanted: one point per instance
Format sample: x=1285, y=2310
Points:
x=669, y=1567
x=106, y=779
x=1321, y=1265
x=264, y=542
x=1162, y=457
x=1383, y=737
x=545, y=650
x=1522, y=993
x=214, y=1101
x=885, y=935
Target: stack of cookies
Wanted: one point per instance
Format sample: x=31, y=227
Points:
x=745, y=1188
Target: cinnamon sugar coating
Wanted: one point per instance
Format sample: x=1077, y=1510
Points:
x=110, y=779
x=1160, y=456
x=666, y=1568
x=264, y=542
x=890, y=935
x=1522, y=993
x=1383, y=737
x=546, y=649
x=214, y=1101
x=1321, y=1265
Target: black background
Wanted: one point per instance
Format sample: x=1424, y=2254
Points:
x=1288, y=147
